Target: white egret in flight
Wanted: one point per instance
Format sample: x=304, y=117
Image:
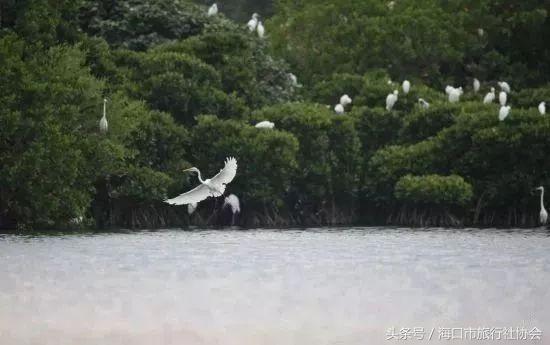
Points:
x=339, y=109
x=543, y=216
x=502, y=98
x=489, y=97
x=477, y=85
x=265, y=125
x=423, y=103
x=504, y=86
x=391, y=99
x=213, y=187
x=103, y=124
x=213, y=10
x=234, y=204
x=345, y=100
x=542, y=108
x=253, y=22
x=191, y=208
x=261, y=30
x=406, y=86
x=504, y=112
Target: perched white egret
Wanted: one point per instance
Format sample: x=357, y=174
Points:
x=543, y=216
x=294, y=80
x=213, y=187
x=345, y=100
x=502, y=98
x=253, y=22
x=261, y=30
x=103, y=124
x=423, y=103
x=448, y=89
x=504, y=86
x=232, y=201
x=477, y=85
x=191, y=208
x=391, y=99
x=265, y=125
x=489, y=97
x=542, y=108
x=339, y=109
x=406, y=87
x=213, y=10
x=504, y=112
x=454, y=95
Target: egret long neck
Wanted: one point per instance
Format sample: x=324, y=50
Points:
x=199, y=176
x=104, y=109
x=542, y=199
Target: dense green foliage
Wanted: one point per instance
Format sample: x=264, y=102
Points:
x=185, y=89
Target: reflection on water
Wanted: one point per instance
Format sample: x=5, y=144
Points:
x=269, y=287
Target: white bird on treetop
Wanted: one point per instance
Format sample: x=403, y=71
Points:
x=423, y=103
x=504, y=112
x=391, y=99
x=191, y=208
x=454, y=95
x=543, y=216
x=542, y=108
x=504, y=86
x=477, y=85
x=502, y=98
x=213, y=187
x=406, y=86
x=103, y=124
x=213, y=10
x=489, y=97
x=265, y=125
x=261, y=30
x=339, y=109
x=345, y=100
x=253, y=23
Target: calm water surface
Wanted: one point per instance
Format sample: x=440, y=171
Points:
x=318, y=286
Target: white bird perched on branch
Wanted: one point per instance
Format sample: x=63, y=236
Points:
x=477, y=85
x=423, y=103
x=191, y=208
x=233, y=202
x=261, y=30
x=504, y=112
x=213, y=187
x=504, y=86
x=542, y=108
x=406, y=87
x=339, y=109
x=253, y=22
x=489, y=97
x=103, y=124
x=502, y=98
x=345, y=100
x=265, y=125
x=454, y=95
x=213, y=10
x=391, y=99
x=543, y=216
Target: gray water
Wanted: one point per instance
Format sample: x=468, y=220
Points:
x=318, y=286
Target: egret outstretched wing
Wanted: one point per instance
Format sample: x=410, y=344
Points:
x=227, y=174
x=195, y=195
